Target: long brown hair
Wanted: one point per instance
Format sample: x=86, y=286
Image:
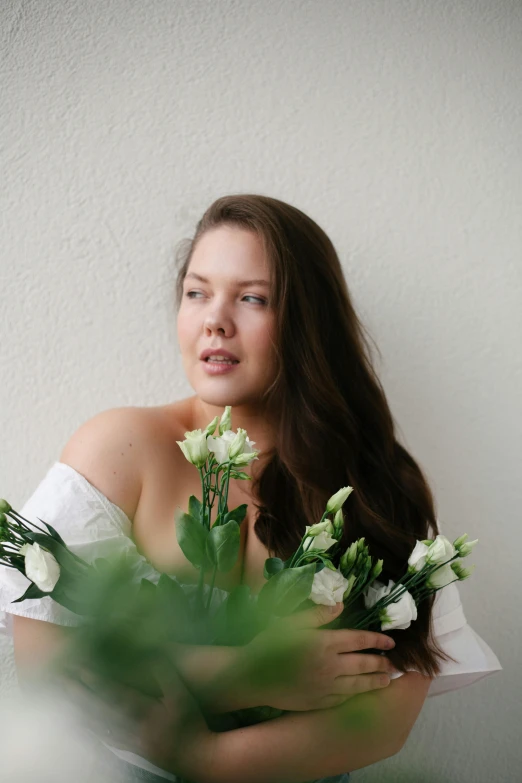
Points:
x=334, y=425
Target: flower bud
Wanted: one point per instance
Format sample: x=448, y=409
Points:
x=361, y=546
x=417, y=559
x=226, y=420
x=459, y=541
x=4, y=506
x=336, y=501
x=461, y=573
x=348, y=559
x=338, y=524
x=245, y=458
x=377, y=569
x=351, y=580
x=465, y=549
x=211, y=428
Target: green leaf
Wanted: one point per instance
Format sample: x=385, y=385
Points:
x=192, y=538
x=272, y=567
x=235, y=622
x=240, y=474
x=195, y=508
x=238, y=514
x=223, y=545
x=32, y=592
x=286, y=590
x=63, y=555
x=52, y=532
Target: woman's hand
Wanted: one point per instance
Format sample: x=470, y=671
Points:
x=294, y=665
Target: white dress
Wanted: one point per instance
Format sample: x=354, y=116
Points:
x=93, y=527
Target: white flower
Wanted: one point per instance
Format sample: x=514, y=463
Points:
x=398, y=614
x=336, y=501
x=441, y=577
x=440, y=551
x=319, y=537
x=41, y=567
x=417, y=559
x=231, y=446
x=328, y=587
x=194, y=447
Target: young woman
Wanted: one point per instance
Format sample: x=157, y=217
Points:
x=265, y=324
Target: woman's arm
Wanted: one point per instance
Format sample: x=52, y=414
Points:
x=212, y=674
x=308, y=745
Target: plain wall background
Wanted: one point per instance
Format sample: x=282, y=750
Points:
x=397, y=127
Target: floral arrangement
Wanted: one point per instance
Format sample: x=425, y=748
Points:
x=317, y=573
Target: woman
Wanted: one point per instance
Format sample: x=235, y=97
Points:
x=266, y=325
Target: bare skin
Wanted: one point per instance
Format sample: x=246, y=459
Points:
x=168, y=482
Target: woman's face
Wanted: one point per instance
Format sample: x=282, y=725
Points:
x=225, y=307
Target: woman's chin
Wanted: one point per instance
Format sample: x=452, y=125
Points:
x=220, y=392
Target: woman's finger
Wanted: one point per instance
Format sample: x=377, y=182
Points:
x=357, y=663
x=350, y=686
x=350, y=640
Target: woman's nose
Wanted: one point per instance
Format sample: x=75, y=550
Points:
x=219, y=324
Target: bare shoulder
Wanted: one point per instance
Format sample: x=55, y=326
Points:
x=116, y=448
x=108, y=450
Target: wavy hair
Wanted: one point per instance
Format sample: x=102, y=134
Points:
x=334, y=425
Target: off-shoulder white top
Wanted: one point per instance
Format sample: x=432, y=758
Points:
x=93, y=527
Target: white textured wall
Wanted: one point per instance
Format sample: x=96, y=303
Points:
x=397, y=126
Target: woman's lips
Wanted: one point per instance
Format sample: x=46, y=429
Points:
x=218, y=368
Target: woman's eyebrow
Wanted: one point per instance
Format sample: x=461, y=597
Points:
x=238, y=282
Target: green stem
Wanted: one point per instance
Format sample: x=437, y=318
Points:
x=408, y=583
x=211, y=591
x=297, y=555
x=229, y=467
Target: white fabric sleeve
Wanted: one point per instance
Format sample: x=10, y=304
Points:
x=90, y=525
x=474, y=658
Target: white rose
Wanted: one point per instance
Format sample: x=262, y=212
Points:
x=41, y=567
x=375, y=592
x=328, y=587
x=319, y=537
x=417, y=559
x=221, y=446
x=194, y=447
x=441, y=576
x=237, y=444
x=398, y=614
x=440, y=551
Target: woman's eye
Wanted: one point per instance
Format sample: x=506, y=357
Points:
x=257, y=299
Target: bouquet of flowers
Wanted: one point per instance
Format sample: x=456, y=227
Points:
x=110, y=600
